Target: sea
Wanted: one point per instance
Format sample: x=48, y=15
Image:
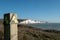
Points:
x=48, y=26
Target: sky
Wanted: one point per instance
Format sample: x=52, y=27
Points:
x=44, y=10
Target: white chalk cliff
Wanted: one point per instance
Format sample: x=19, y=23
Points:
x=30, y=22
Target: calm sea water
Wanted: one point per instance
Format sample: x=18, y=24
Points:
x=55, y=26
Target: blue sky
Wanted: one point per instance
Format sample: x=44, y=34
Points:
x=44, y=10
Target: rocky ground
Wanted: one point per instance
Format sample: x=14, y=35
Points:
x=31, y=33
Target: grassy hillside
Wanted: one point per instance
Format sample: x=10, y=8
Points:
x=30, y=33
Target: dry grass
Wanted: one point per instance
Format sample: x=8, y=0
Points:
x=36, y=34
x=30, y=33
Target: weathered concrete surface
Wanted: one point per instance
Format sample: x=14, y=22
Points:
x=13, y=32
x=10, y=27
x=13, y=27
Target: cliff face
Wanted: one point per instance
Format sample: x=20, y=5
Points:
x=30, y=33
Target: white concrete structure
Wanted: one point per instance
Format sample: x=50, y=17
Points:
x=13, y=27
x=10, y=27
